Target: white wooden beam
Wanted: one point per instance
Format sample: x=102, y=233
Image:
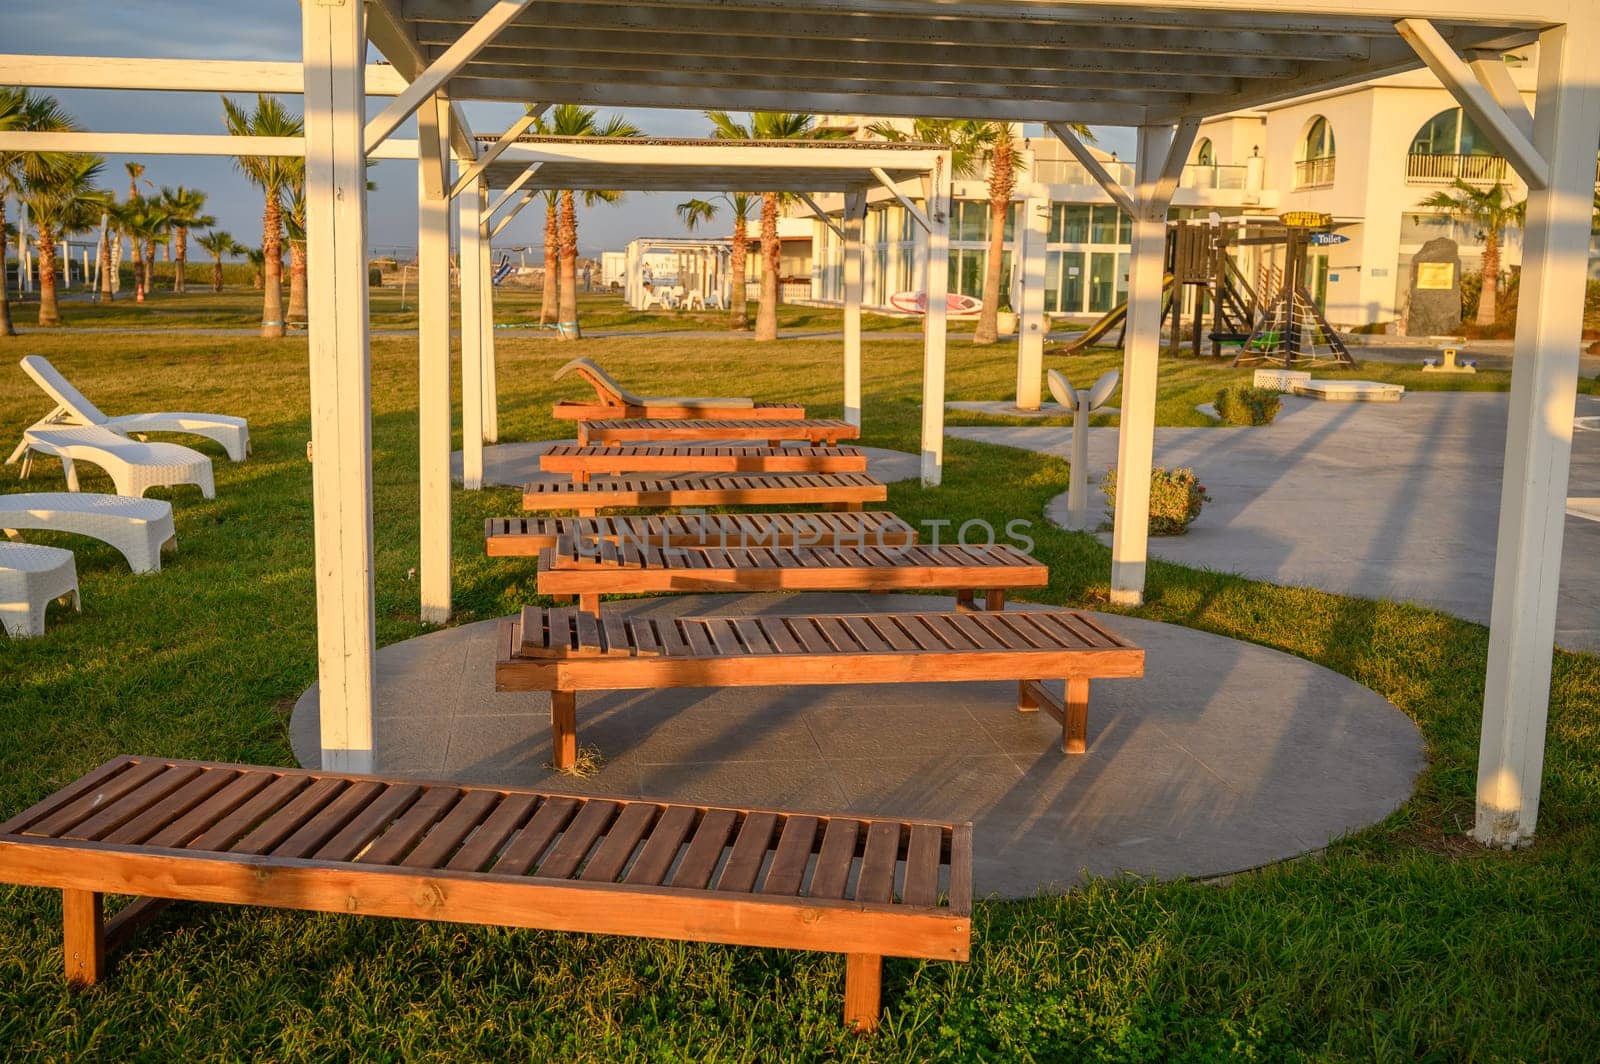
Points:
x=855, y=213
x=1544, y=376
x=1080, y=151
x=388, y=31
x=1476, y=100
x=499, y=15
x=901, y=198
x=1493, y=73
x=937, y=287
x=1159, y=198
x=222, y=144
x=470, y=266
x=821, y=215
x=433, y=361
x=334, y=46
x=1033, y=324
x=491, y=396
x=516, y=209
x=512, y=189
x=175, y=75
x=495, y=150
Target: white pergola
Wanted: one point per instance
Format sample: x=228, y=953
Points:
x=1156, y=67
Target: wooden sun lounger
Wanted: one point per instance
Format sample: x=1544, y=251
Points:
x=166, y=830
x=583, y=462
x=817, y=431
x=612, y=400
x=567, y=651
x=589, y=570
x=525, y=537
x=845, y=490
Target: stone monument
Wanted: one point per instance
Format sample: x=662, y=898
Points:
x=1434, y=308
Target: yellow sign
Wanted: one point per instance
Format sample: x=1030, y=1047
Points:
x=1306, y=219
x=1436, y=276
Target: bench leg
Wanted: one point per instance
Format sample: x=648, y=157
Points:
x=589, y=603
x=564, y=728
x=863, y=987
x=964, y=598
x=83, y=936
x=1075, y=725
x=1026, y=702
x=994, y=600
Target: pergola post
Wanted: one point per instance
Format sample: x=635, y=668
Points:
x=470, y=263
x=433, y=356
x=1031, y=331
x=855, y=212
x=937, y=286
x=491, y=396
x=334, y=46
x=1566, y=131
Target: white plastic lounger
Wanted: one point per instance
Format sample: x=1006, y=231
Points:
x=133, y=467
x=139, y=528
x=73, y=409
x=30, y=576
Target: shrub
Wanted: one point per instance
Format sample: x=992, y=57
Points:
x=1245, y=405
x=1176, y=496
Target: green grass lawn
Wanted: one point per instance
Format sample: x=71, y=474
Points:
x=1403, y=941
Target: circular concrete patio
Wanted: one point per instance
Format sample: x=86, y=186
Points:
x=1225, y=756
x=511, y=465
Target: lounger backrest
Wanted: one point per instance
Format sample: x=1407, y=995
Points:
x=602, y=380
x=61, y=390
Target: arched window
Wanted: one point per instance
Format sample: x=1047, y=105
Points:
x=1449, y=146
x=1205, y=154
x=1314, y=168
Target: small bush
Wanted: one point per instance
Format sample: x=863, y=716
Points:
x=1245, y=405
x=1176, y=496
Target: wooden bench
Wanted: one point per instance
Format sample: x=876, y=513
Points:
x=848, y=491
x=166, y=830
x=583, y=462
x=612, y=400
x=820, y=431
x=567, y=651
x=591, y=569
x=525, y=537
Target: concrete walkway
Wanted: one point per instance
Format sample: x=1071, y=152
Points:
x=1386, y=501
x=511, y=465
x=1225, y=756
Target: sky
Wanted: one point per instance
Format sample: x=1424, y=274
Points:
x=270, y=29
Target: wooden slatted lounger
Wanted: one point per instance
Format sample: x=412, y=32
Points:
x=525, y=537
x=567, y=651
x=584, y=462
x=589, y=570
x=817, y=431
x=845, y=490
x=166, y=830
x=613, y=400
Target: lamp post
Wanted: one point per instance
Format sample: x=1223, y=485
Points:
x=1082, y=405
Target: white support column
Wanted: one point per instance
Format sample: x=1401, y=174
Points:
x=1031, y=331
x=491, y=397
x=470, y=263
x=334, y=47
x=433, y=357
x=933, y=341
x=1566, y=130
x=855, y=212
x=1141, y=354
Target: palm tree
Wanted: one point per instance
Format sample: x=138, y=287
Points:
x=144, y=220
x=183, y=207
x=135, y=172
x=258, y=259
x=62, y=201
x=1492, y=211
x=739, y=205
x=219, y=242
x=21, y=109
x=769, y=125
x=549, y=290
x=273, y=175
x=294, y=224
x=570, y=120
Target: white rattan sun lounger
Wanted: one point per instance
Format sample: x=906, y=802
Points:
x=30, y=576
x=139, y=528
x=73, y=409
x=133, y=467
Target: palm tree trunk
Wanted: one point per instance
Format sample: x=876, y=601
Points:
x=180, y=257
x=1489, y=294
x=49, y=309
x=1002, y=176
x=771, y=262
x=6, y=327
x=552, y=265
x=105, y=264
x=149, y=266
x=297, y=282
x=272, y=267
x=216, y=274
x=738, y=312
x=568, y=299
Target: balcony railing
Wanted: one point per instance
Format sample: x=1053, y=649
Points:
x=1195, y=175
x=1443, y=169
x=1314, y=173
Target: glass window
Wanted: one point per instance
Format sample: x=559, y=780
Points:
x=1319, y=140
x=1122, y=277
x=1063, y=292
x=971, y=218
x=1102, y=281
x=1451, y=133
x=1104, y=225
x=1205, y=154
x=1069, y=224
x=966, y=271
x=1124, y=228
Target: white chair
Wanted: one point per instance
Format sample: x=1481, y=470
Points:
x=73, y=409
x=30, y=576
x=133, y=467
x=139, y=528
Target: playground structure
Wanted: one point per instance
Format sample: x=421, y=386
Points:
x=1203, y=273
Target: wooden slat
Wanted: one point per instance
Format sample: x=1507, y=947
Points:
x=661, y=848
x=922, y=865
x=441, y=841
x=793, y=853
x=412, y=825
x=705, y=849
x=832, y=874
x=179, y=805
x=290, y=817
x=230, y=828
x=961, y=869
x=523, y=851
x=313, y=835
x=476, y=853
x=567, y=855
x=113, y=789
x=749, y=851
x=876, y=882
x=115, y=814
x=210, y=812
x=612, y=855
x=367, y=826
x=70, y=793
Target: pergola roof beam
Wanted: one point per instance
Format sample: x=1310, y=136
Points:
x=822, y=215
x=1491, y=70
x=175, y=75
x=493, y=151
x=1476, y=100
x=1158, y=199
x=512, y=189
x=1096, y=168
x=224, y=144
x=426, y=82
x=910, y=208
x=389, y=33
x=516, y=209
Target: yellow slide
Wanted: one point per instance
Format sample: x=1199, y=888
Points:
x=1079, y=344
